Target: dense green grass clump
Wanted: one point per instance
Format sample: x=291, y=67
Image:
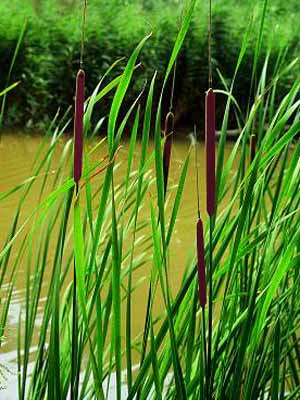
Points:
x=256, y=253
x=50, y=50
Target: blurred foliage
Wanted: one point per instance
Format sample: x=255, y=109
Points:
x=48, y=60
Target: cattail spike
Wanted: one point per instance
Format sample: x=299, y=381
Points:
x=78, y=125
x=252, y=147
x=168, y=133
x=166, y=160
x=201, y=264
x=210, y=133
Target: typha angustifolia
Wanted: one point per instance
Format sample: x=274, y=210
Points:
x=77, y=173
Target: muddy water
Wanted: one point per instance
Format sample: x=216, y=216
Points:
x=17, y=151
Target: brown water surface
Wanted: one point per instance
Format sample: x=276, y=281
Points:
x=17, y=152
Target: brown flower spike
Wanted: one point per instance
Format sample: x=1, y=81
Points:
x=78, y=125
x=210, y=134
x=201, y=264
x=168, y=133
x=252, y=147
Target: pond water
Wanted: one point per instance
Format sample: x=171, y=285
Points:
x=17, y=151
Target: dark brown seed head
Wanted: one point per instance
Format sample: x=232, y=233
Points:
x=166, y=160
x=210, y=134
x=252, y=147
x=168, y=133
x=78, y=125
x=201, y=264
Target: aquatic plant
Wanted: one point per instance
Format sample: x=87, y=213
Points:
x=255, y=243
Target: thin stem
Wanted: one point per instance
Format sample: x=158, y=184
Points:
x=204, y=349
x=83, y=33
x=210, y=80
x=210, y=306
x=74, y=354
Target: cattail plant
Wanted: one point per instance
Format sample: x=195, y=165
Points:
x=77, y=170
x=201, y=267
x=210, y=133
x=180, y=364
x=168, y=134
x=210, y=137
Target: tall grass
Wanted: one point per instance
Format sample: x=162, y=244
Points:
x=255, y=243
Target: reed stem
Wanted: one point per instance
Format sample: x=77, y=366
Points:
x=204, y=350
x=74, y=353
x=210, y=307
x=210, y=132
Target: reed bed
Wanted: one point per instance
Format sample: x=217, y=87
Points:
x=254, y=281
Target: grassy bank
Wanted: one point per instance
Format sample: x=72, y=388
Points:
x=49, y=53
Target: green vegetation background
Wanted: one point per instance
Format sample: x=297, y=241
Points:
x=48, y=58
